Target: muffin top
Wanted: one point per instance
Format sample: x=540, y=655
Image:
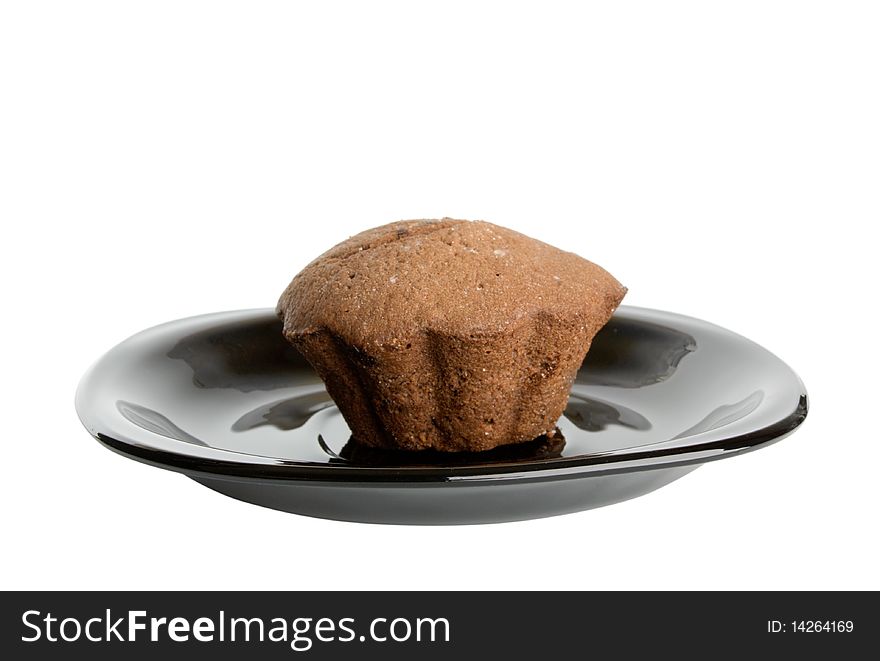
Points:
x=451, y=276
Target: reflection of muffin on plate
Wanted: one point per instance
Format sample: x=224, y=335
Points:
x=448, y=334
x=539, y=449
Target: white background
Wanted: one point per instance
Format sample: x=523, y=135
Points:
x=164, y=159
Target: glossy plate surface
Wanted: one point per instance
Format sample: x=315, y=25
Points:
x=224, y=399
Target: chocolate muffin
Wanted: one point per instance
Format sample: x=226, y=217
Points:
x=447, y=334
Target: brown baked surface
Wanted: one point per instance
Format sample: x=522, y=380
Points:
x=447, y=334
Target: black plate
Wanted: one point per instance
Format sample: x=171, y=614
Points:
x=224, y=399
